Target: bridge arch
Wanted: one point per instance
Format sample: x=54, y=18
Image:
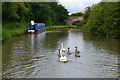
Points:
x=71, y=20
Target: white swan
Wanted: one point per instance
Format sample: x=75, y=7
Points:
x=63, y=58
x=63, y=50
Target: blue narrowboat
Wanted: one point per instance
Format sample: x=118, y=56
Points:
x=36, y=27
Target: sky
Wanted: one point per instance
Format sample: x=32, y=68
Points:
x=74, y=6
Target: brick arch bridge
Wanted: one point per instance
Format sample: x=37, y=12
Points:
x=71, y=20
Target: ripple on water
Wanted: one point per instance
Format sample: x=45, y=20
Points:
x=36, y=56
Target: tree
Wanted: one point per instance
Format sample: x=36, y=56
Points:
x=76, y=14
x=103, y=19
x=50, y=13
x=12, y=11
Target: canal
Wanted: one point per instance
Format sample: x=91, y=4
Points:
x=36, y=56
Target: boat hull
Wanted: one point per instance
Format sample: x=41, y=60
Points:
x=38, y=27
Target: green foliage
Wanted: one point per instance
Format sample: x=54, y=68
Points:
x=13, y=29
x=15, y=14
x=103, y=19
x=13, y=11
x=76, y=23
x=59, y=26
x=79, y=23
x=76, y=14
x=50, y=13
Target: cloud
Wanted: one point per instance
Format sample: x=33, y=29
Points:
x=77, y=5
x=79, y=0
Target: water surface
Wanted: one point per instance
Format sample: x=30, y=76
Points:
x=35, y=56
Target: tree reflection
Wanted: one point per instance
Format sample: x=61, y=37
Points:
x=109, y=44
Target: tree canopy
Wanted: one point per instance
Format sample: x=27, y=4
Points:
x=76, y=14
x=50, y=13
x=103, y=19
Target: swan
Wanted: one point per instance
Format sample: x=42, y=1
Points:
x=63, y=58
x=68, y=51
x=77, y=53
x=63, y=50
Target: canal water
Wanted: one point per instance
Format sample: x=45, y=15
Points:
x=36, y=56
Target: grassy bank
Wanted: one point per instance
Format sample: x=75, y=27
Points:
x=12, y=29
x=58, y=27
x=0, y=31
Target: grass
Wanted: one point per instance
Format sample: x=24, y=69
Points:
x=58, y=26
x=10, y=30
x=0, y=31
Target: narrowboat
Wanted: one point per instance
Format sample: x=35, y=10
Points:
x=36, y=27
